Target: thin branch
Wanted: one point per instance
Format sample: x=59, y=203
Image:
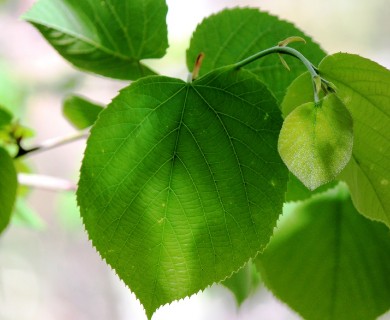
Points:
x=53, y=143
x=46, y=182
x=288, y=51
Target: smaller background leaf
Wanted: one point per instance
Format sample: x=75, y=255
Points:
x=80, y=112
x=298, y=93
x=326, y=261
x=364, y=87
x=244, y=282
x=109, y=38
x=8, y=186
x=235, y=34
x=5, y=117
x=296, y=190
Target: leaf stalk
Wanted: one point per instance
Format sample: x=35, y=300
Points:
x=291, y=52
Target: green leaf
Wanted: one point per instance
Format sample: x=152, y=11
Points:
x=316, y=141
x=107, y=37
x=81, y=112
x=181, y=183
x=243, y=283
x=299, y=92
x=8, y=186
x=296, y=190
x=326, y=261
x=5, y=117
x=364, y=87
x=234, y=34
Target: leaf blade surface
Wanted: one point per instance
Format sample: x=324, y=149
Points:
x=364, y=88
x=316, y=141
x=235, y=34
x=326, y=261
x=8, y=186
x=107, y=37
x=179, y=187
x=80, y=112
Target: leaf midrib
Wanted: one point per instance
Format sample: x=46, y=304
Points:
x=236, y=157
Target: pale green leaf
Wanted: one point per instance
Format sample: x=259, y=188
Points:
x=364, y=87
x=234, y=34
x=326, y=261
x=316, y=141
x=244, y=282
x=298, y=93
x=8, y=186
x=181, y=183
x=80, y=112
x=107, y=37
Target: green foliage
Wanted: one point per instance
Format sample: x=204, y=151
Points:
x=179, y=187
x=244, y=282
x=364, y=87
x=182, y=183
x=316, y=141
x=5, y=117
x=328, y=262
x=107, y=37
x=8, y=186
x=234, y=34
x=296, y=190
x=80, y=112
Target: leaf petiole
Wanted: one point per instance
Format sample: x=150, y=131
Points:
x=291, y=52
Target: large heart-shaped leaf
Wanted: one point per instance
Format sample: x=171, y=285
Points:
x=107, y=37
x=326, y=261
x=364, y=87
x=316, y=141
x=234, y=34
x=8, y=186
x=182, y=183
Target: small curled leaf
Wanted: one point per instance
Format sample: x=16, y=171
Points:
x=289, y=40
x=284, y=63
x=318, y=84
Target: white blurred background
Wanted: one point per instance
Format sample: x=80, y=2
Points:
x=51, y=271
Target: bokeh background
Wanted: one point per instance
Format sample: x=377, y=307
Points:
x=48, y=269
